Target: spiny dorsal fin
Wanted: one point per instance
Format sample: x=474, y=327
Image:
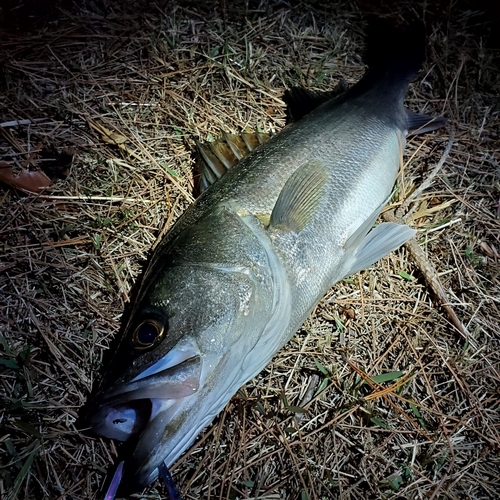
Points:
x=224, y=152
x=237, y=145
x=211, y=167
x=251, y=140
x=300, y=197
x=219, y=156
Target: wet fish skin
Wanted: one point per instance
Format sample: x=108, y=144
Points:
x=245, y=265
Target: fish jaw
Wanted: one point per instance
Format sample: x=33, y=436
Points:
x=125, y=410
x=175, y=428
x=161, y=429
x=141, y=410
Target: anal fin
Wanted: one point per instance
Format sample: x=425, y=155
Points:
x=420, y=123
x=355, y=240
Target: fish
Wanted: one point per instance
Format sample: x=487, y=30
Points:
x=245, y=265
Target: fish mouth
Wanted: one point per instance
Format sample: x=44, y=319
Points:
x=140, y=410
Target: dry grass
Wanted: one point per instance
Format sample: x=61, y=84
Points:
x=127, y=87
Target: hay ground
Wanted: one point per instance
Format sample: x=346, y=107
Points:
x=126, y=87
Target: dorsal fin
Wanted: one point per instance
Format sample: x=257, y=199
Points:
x=219, y=156
x=237, y=145
x=301, y=102
x=224, y=153
x=211, y=168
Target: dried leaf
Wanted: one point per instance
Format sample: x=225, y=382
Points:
x=32, y=181
x=108, y=135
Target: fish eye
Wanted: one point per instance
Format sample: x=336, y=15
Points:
x=147, y=334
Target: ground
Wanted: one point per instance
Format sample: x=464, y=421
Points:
x=380, y=394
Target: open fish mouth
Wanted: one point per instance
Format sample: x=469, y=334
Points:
x=127, y=410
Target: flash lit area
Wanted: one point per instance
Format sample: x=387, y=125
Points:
x=390, y=388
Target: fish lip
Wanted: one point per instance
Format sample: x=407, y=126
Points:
x=125, y=412
x=182, y=380
x=139, y=471
x=138, y=411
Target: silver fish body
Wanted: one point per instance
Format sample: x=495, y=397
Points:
x=243, y=268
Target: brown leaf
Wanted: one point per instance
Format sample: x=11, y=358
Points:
x=108, y=135
x=32, y=181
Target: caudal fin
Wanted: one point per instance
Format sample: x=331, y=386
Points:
x=396, y=50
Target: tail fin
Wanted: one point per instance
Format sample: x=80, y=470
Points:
x=392, y=49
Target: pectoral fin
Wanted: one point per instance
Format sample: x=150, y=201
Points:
x=380, y=241
x=300, y=197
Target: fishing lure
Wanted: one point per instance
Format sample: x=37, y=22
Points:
x=164, y=473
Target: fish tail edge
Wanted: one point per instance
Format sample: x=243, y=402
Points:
x=395, y=49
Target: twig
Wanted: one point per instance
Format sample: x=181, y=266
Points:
x=114, y=199
x=418, y=255
x=403, y=212
x=431, y=277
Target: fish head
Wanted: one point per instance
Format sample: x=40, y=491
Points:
x=179, y=361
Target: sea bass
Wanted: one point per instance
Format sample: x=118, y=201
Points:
x=243, y=268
